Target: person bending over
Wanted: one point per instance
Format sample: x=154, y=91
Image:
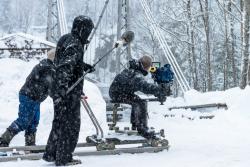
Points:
x=34, y=91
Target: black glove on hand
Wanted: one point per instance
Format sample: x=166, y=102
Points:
x=162, y=99
x=88, y=67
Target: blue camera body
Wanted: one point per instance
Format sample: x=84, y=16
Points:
x=163, y=74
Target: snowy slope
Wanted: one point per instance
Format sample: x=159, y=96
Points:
x=221, y=142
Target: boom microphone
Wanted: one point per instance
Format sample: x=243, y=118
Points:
x=126, y=38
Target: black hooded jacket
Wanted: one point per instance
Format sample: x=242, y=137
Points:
x=69, y=58
x=132, y=80
x=39, y=81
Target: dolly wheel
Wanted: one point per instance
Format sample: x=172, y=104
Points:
x=158, y=143
x=105, y=146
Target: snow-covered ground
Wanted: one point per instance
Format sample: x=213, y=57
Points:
x=223, y=141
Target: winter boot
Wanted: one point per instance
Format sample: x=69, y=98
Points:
x=6, y=137
x=70, y=163
x=146, y=133
x=74, y=162
x=133, y=126
x=30, y=139
x=48, y=158
x=142, y=128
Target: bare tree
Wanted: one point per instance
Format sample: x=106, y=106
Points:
x=6, y=23
x=205, y=16
x=232, y=44
x=226, y=45
x=242, y=25
x=22, y=15
x=192, y=56
x=229, y=69
x=245, y=62
x=247, y=2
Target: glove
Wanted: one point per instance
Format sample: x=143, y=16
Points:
x=161, y=97
x=88, y=67
x=119, y=43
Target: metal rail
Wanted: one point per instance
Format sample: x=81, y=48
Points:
x=42, y=147
x=134, y=150
x=193, y=107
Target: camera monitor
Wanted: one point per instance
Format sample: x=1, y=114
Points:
x=156, y=64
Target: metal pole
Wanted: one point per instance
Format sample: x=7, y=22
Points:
x=53, y=30
x=98, y=22
x=118, y=59
x=128, y=26
x=49, y=22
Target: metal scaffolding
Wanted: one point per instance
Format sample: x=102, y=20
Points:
x=56, y=21
x=123, y=24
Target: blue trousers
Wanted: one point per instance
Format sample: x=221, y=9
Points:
x=28, y=116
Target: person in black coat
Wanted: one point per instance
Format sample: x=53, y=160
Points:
x=69, y=68
x=34, y=91
x=129, y=81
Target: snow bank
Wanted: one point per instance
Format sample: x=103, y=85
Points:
x=236, y=99
x=222, y=141
x=13, y=73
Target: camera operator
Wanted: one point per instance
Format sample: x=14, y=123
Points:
x=131, y=80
